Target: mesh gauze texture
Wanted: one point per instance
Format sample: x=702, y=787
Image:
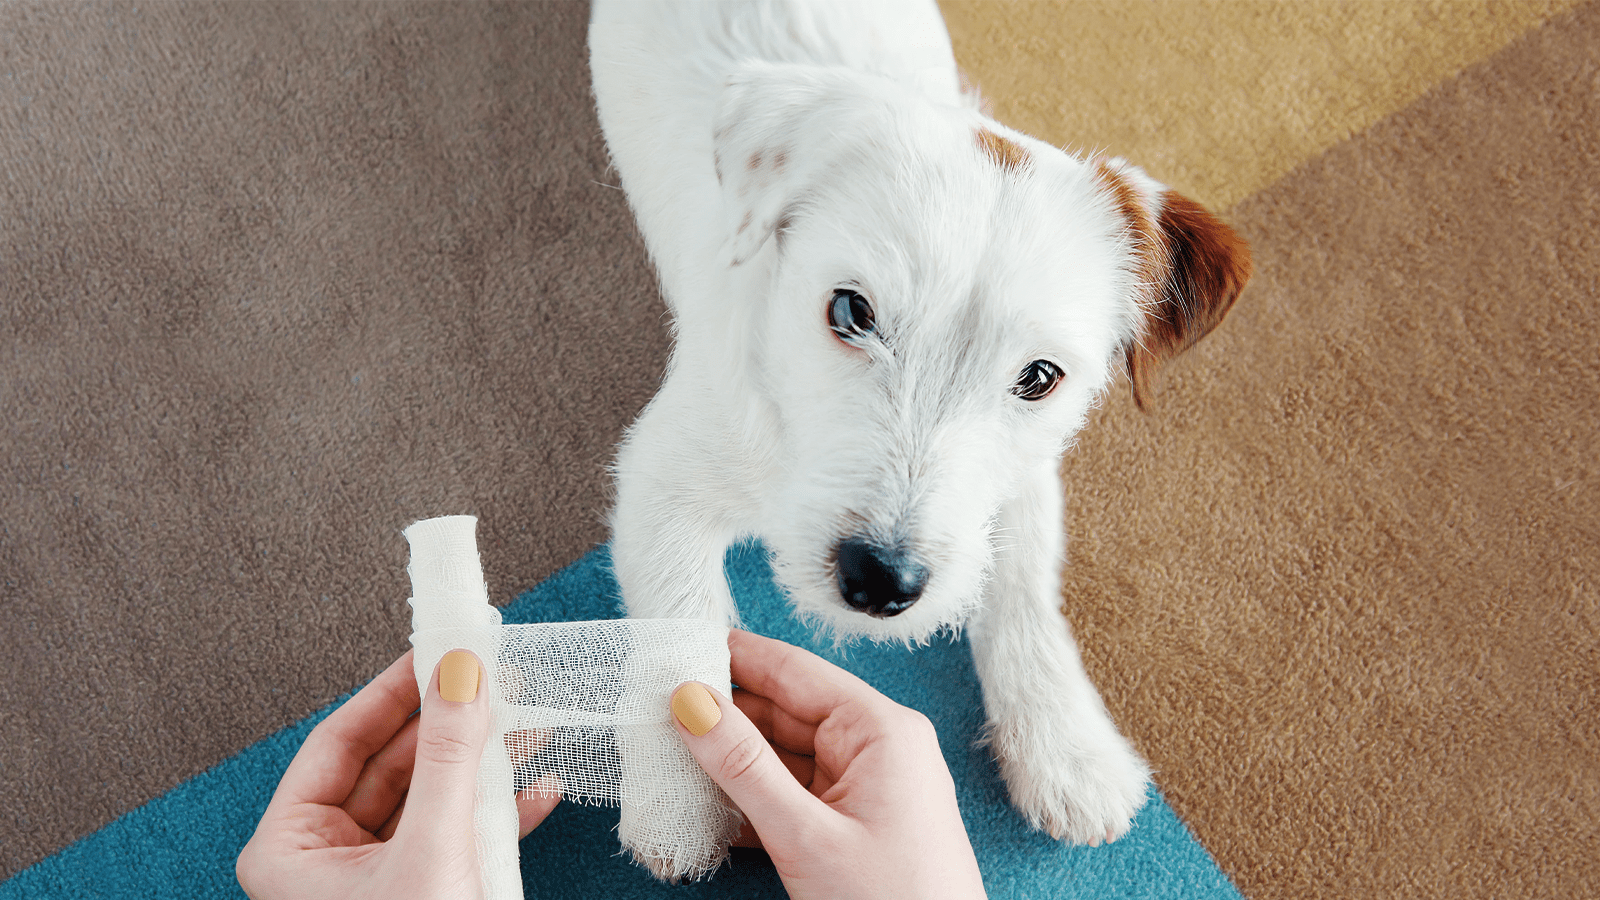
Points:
x=584, y=702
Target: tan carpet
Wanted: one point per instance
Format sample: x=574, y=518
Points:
x=277, y=279
x=1343, y=584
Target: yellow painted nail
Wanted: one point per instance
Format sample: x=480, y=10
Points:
x=694, y=706
x=458, y=676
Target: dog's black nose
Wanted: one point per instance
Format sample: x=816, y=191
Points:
x=878, y=581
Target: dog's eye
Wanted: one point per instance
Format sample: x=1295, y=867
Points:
x=850, y=315
x=1037, y=380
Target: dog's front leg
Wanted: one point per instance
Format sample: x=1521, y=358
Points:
x=668, y=531
x=1067, y=767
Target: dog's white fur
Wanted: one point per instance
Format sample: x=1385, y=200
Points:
x=774, y=152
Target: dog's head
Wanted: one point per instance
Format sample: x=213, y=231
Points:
x=943, y=301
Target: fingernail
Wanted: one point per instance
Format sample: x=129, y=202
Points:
x=458, y=676
x=693, y=705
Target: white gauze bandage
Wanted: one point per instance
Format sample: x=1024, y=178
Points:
x=585, y=702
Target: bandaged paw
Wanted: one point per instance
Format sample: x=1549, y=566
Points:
x=584, y=705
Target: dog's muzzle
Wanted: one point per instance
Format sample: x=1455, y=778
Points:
x=879, y=581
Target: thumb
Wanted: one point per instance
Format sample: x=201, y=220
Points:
x=732, y=751
x=452, y=730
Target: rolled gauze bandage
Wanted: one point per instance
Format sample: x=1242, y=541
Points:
x=584, y=702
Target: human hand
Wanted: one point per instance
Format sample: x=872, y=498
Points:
x=378, y=802
x=846, y=789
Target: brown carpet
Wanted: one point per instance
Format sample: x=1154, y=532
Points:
x=279, y=280
x=276, y=280
x=1343, y=587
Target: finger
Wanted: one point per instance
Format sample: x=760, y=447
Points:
x=282, y=858
x=732, y=751
x=523, y=744
x=330, y=761
x=776, y=724
x=536, y=802
x=803, y=768
x=386, y=831
x=452, y=731
x=385, y=780
x=762, y=714
x=801, y=683
x=810, y=696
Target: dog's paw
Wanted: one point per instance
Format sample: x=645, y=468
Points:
x=1075, y=790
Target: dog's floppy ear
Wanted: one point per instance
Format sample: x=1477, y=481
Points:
x=1190, y=268
x=776, y=126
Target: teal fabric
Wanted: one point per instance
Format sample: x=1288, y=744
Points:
x=183, y=843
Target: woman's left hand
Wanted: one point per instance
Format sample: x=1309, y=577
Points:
x=378, y=802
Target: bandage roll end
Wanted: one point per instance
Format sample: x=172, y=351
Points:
x=447, y=586
x=450, y=611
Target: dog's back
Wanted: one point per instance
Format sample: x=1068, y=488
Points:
x=660, y=67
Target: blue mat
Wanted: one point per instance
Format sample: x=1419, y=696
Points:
x=183, y=844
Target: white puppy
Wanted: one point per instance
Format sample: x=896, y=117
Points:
x=891, y=315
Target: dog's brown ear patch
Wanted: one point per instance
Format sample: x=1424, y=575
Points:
x=1207, y=266
x=1191, y=266
x=1006, y=153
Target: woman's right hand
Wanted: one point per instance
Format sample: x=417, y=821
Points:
x=846, y=789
